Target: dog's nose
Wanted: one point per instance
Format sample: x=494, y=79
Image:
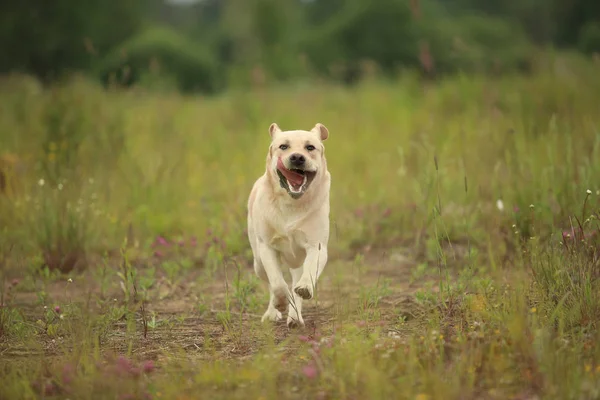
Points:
x=297, y=160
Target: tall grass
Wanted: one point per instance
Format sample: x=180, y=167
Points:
x=489, y=185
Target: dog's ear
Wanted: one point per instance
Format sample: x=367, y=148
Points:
x=321, y=130
x=274, y=129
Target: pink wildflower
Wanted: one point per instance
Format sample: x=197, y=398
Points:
x=67, y=374
x=310, y=371
x=148, y=366
x=124, y=365
x=304, y=338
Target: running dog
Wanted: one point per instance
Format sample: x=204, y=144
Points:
x=288, y=219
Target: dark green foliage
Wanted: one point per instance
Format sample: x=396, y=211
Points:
x=473, y=43
x=382, y=31
x=48, y=38
x=217, y=43
x=545, y=21
x=277, y=25
x=164, y=54
x=589, y=38
x=572, y=16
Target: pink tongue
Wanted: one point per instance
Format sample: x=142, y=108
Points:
x=294, y=178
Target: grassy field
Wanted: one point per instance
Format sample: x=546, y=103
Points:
x=464, y=257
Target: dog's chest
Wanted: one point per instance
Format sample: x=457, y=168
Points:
x=287, y=242
x=286, y=236
x=289, y=247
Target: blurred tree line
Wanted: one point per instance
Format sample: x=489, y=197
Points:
x=207, y=45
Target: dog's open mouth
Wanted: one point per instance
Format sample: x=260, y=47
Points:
x=295, y=181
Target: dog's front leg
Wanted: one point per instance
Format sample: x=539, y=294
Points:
x=278, y=287
x=295, y=311
x=314, y=263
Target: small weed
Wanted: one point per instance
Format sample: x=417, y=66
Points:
x=172, y=269
x=371, y=296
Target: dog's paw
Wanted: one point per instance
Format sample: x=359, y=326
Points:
x=304, y=290
x=280, y=298
x=271, y=315
x=294, y=323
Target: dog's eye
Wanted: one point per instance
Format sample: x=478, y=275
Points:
x=310, y=147
x=283, y=146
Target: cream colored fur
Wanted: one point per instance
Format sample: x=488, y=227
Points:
x=290, y=233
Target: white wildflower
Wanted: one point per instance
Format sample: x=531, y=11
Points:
x=41, y=182
x=500, y=205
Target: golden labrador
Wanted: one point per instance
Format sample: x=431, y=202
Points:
x=288, y=219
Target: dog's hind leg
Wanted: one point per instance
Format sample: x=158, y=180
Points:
x=294, y=319
x=260, y=270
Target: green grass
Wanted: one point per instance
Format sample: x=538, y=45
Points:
x=463, y=257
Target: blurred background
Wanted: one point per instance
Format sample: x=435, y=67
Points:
x=210, y=45
x=464, y=151
x=149, y=118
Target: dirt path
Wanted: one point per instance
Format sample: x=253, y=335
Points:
x=192, y=315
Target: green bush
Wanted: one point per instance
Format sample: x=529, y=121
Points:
x=387, y=33
x=276, y=26
x=473, y=43
x=162, y=55
x=382, y=32
x=53, y=39
x=589, y=38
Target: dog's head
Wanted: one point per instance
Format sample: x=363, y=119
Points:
x=296, y=159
